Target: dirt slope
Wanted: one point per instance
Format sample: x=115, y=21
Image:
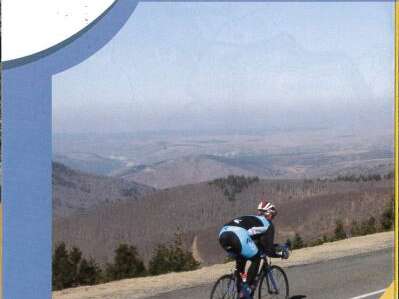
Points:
x=150, y=286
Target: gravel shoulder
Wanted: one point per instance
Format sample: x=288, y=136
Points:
x=150, y=286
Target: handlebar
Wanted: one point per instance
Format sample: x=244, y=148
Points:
x=282, y=247
x=277, y=247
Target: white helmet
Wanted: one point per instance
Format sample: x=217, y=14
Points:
x=267, y=208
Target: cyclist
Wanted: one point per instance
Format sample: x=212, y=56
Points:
x=246, y=238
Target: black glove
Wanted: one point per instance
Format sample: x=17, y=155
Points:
x=285, y=254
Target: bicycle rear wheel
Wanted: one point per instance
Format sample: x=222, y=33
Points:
x=224, y=288
x=274, y=284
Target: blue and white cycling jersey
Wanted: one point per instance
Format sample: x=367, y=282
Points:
x=248, y=247
x=244, y=228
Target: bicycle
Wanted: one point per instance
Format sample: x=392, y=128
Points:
x=271, y=282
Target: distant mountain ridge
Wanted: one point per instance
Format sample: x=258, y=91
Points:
x=168, y=161
x=89, y=162
x=182, y=171
x=196, y=169
x=77, y=192
x=202, y=168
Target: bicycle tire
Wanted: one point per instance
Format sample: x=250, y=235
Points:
x=265, y=280
x=219, y=288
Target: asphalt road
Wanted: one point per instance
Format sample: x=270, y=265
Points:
x=343, y=278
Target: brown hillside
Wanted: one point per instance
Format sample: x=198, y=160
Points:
x=186, y=170
x=307, y=207
x=76, y=192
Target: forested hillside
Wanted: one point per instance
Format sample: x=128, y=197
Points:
x=308, y=207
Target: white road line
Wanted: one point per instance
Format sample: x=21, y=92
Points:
x=368, y=294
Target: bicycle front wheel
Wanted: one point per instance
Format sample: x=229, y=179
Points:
x=224, y=288
x=274, y=284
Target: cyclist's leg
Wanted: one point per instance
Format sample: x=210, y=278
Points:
x=240, y=266
x=253, y=270
x=230, y=242
x=248, y=248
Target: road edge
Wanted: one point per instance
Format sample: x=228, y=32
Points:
x=144, y=287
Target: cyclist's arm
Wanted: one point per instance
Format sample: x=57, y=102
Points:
x=267, y=242
x=257, y=230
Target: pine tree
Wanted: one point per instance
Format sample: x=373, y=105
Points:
x=368, y=226
x=339, y=232
x=126, y=264
x=75, y=256
x=172, y=258
x=289, y=243
x=89, y=272
x=71, y=270
x=387, y=217
x=355, y=229
x=62, y=268
x=371, y=225
x=297, y=242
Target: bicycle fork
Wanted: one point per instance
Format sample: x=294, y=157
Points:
x=274, y=289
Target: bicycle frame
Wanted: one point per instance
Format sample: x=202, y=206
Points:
x=265, y=272
x=265, y=269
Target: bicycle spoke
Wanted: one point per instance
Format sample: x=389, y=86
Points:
x=225, y=289
x=274, y=285
x=277, y=284
x=222, y=291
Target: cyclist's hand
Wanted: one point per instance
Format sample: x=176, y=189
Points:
x=285, y=254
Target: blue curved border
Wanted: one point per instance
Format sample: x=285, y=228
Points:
x=81, y=45
x=32, y=58
x=27, y=153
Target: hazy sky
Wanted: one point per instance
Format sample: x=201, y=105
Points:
x=222, y=66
